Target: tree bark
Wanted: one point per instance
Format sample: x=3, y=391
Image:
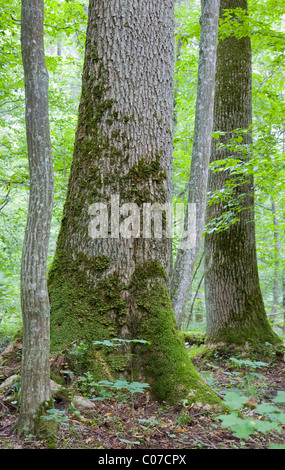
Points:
x=112, y=286
x=35, y=375
x=185, y=262
x=276, y=280
x=283, y=303
x=234, y=304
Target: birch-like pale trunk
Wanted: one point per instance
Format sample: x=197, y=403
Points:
x=183, y=271
x=115, y=286
x=234, y=303
x=35, y=373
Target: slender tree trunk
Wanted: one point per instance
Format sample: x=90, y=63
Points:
x=115, y=285
x=283, y=302
x=35, y=375
x=196, y=296
x=234, y=304
x=183, y=271
x=276, y=281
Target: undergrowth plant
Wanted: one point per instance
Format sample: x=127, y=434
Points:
x=264, y=419
x=251, y=382
x=131, y=387
x=120, y=389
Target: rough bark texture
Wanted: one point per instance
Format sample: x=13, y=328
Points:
x=114, y=287
x=183, y=271
x=35, y=375
x=235, y=309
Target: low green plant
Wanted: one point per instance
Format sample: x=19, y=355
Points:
x=131, y=387
x=147, y=423
x=55, y=415
x=121, y=384
x=245, y=363
x=126, y=441
x=270, y=418
x=250, y=381
x=196, y=350
x=87, y=385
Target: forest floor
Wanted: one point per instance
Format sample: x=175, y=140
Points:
x=125, y=421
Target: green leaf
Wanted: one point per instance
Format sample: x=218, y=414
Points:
x=266, y=426
x=104, y=343
x=240, y=428
x=129, y=442
x=234, y=400
x=276, y=446
x=267, y=409
x=280, y=397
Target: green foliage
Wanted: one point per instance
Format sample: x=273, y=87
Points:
x=59, y=416
x=243, y=427
x=89, y=386
x=129, y=442
x=280, y=398
x=86, y=384
x=247, y=363
x=131, y=387
x=269, y=417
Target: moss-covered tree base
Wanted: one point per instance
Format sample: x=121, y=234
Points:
x=85, y=309
x=166, y=362
x=257, y=332
x=140, y=310
x=37, y=424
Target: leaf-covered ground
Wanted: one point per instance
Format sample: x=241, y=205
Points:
x=123, y=422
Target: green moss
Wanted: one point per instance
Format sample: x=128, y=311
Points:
x=192, y=337
x=224, y=351
x=166, y=363
x=86, y=310
x=18, y=336
x=88, y=303
x=116, y=134
x=56, y=378
x=136, y=181
x=100, y=262
x=95, y=56
x=63, y=394
x=42, y=426
x=144, y=170
x=255, y=333
x=88, y=313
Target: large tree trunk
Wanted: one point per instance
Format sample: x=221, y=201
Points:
x=112, y=286
x=185, y=262
x=35, y=375
x=235, y=309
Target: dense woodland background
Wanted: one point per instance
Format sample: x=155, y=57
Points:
x=65, y=28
